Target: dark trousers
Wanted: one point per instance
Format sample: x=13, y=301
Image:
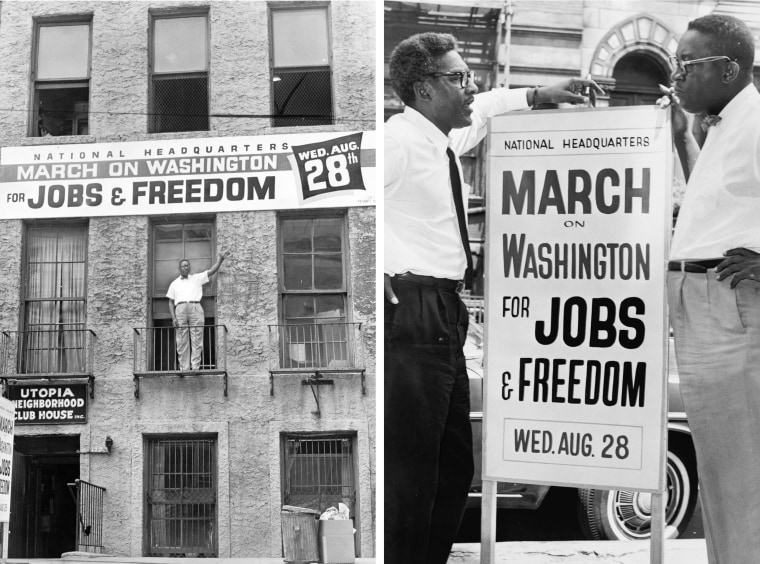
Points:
x=428, y=438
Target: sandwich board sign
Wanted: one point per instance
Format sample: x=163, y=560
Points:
x=577, y=231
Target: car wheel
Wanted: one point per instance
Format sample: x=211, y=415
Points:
x=621, y=514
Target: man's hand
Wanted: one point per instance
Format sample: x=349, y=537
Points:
x=742, y=263
x=174, y=322
x=570, y=91
x=389, y=294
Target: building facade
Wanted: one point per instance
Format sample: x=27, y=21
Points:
x=624, y=45
x=136, y=134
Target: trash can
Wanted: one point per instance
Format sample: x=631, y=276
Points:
x=299, y=534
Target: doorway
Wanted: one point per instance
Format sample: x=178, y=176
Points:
x=43, y=509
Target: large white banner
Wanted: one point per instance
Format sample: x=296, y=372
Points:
x=305, y=170
x=577, y=230
x=7, y=418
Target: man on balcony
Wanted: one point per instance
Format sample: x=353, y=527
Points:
x=185, y=295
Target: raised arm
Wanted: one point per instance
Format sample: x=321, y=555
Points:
x=215, y=267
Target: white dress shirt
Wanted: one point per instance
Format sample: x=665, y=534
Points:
x=421, y=227
x=188, y=289
x=721, y=208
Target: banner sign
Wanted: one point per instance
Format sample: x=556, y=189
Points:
x=273, y=172
x=49, y=404
x=6, y=457
x=577, y=229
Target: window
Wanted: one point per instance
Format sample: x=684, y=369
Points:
x=179, y=73
x=313, y=291
x=180, y=496
x=54, y=340
x=319, y=471
x=301, y=76
x=61, y=76
x=173, y=242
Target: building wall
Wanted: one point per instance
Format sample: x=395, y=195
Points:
x=247, y=421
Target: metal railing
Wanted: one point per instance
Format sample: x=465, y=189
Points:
x=155, y=349
x=312, y=346
x=475, y=307
x=89, y=499
x=60, y=350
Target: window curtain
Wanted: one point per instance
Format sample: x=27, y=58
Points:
x=55, y=305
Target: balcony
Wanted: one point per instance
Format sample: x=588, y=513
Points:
x=316, y=350
x=155, y=354
x=62, y=353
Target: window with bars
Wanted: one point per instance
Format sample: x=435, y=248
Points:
x=61, y=77
x=179, y=73
x=313, y=292
x=173, y=242
x=301, y=69
x=54, y=339
x=319, y=471
x=181, y=496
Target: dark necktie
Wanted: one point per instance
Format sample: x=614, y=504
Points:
x=456, y=188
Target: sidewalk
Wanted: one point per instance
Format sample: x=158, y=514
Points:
x=678, y=551
x=90, y=558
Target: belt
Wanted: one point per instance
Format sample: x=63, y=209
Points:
x=698, y=266
x=180, y=303
x=433, y=282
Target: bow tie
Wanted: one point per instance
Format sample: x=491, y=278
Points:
x=709, y=121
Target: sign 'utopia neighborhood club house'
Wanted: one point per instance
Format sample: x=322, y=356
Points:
x=576, y=329
x=222, y=174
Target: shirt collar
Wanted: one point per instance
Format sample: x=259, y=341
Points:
x=733, y=110
x=434, y=135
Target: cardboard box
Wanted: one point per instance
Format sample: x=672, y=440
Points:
x=336, y=541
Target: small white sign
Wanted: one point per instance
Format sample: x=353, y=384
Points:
x=7, y=419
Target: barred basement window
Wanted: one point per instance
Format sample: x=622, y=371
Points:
x=179, y=74
x=319, y=471
x=301, y=71
x=180, y=497
x=61, y=76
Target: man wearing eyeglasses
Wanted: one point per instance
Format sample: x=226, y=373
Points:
x=428, y=439
x=713, y=288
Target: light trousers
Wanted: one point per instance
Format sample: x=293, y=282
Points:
x=189, y=335
x=717, y=341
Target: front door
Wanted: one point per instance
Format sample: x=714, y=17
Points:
x=43, y=509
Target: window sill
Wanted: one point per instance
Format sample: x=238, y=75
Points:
x=60, y=140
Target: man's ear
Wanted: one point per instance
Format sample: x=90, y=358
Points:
x=730, y=72
x=421, y=91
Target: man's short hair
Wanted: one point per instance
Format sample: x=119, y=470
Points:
x=728, y=36
x=183, y=260
x=415, y=57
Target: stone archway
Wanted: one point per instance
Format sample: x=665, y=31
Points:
x=642, y=32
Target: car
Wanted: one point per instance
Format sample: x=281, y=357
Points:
x=602, y=514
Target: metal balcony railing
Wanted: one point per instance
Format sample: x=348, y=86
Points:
x=89, y=500
x=316, y=349
x=61, y=350
x=155, y=353
x=475, y=307
x=317, y=346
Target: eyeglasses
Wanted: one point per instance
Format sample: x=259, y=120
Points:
x=681, y=66
x=464, y=76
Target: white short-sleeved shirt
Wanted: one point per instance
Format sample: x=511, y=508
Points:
x=188, y=289
x=420, y=220
x=721, y=208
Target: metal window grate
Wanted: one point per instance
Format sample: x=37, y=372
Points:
x=181, y=497
x=319, y=472
x=180, y=103
x=302, y=97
